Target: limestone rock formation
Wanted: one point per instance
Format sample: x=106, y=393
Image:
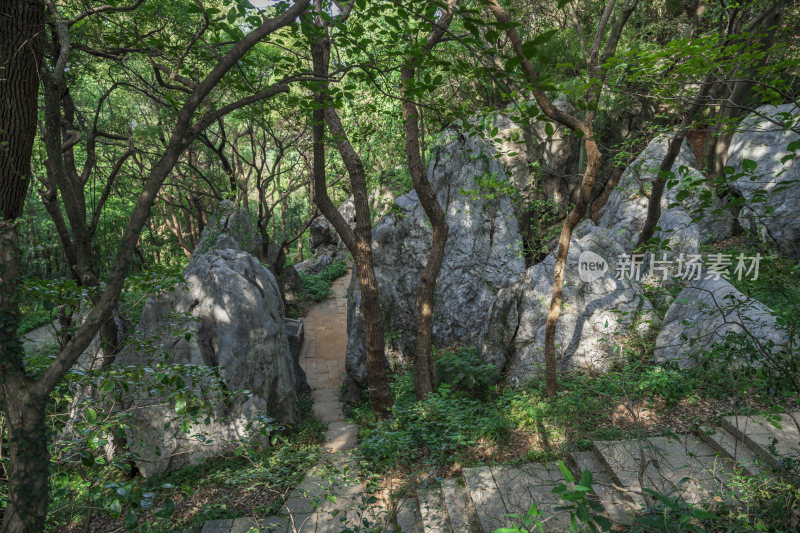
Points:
x=704, y=313
x=626, y=209
x=321, y=232
x=314, y=264
x=481, y=254
x=774, y=185
x=595, y=313
x=540, y=164
x=229, y=228
x=229, y=318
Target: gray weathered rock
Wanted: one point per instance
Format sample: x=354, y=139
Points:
x=229, y=318
x=229, y=228
x=291, y=283
x=594, y=313
x=527, y=150
x=314, y=264
x=704, y=313
x=481, y=254
x=626, y=209
x=766, y=143
x=321, y=232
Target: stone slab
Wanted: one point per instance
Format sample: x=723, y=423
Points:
x=486, y=497
x=735, y=449
x=619, y=506
x=684, y=467
x=460, y=510
x=433, y=512
x=408, y=517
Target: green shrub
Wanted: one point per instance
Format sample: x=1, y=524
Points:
x=318, y=286
x=464, y=370
x=436, y=429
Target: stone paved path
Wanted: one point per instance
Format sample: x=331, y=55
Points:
x=330, y=496
x=323, y=360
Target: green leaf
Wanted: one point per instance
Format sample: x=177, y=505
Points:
x=586, y=476
x=131, y=519
x=115, y=509
x=565, y=472
x=166, y=510
x=548, y=128
x=543, y=38
x=748, y=165
x=91, y=415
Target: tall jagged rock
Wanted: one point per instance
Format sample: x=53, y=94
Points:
x=772, y=191
x=482, y=252
x=228, y=320
x=596, y=313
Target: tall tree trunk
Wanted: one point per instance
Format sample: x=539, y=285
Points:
x=424, y=370
x=28, y=458
x=593, y=157
x=21, y=46
x=720, y=132
x=359, y=242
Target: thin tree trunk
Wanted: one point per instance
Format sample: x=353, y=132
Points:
x=359, y=242
x=657, y=192
x=424, y=370
x=593, y=157
x=731, y=107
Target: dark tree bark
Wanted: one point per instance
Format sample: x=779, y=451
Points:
x=21, y=46
x=674, y=148
x=720, y=134
x=593, y=156
x=424, y=370
x=359, y=242
x=24, y=398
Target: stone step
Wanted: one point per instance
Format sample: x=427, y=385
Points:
x=682, y=467
x=408, y=516
x=433, y=511
x=486, y=497
x=271, y=524
x=763, y=438
x=500, y=491
x=460, y=509
x=735, y=449
x=619, y=505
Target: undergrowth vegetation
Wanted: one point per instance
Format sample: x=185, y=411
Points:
x=252, y=481
x=317, y=287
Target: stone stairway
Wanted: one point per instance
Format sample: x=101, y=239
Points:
x=698, y=468
x=330, y=497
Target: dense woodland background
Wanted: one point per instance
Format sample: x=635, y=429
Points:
x=126, y=123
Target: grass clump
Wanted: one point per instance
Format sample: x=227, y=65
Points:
x=317, y=287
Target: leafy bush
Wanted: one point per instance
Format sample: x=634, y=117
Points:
x=436, y=429
x=318, y=286
x=464, y=370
